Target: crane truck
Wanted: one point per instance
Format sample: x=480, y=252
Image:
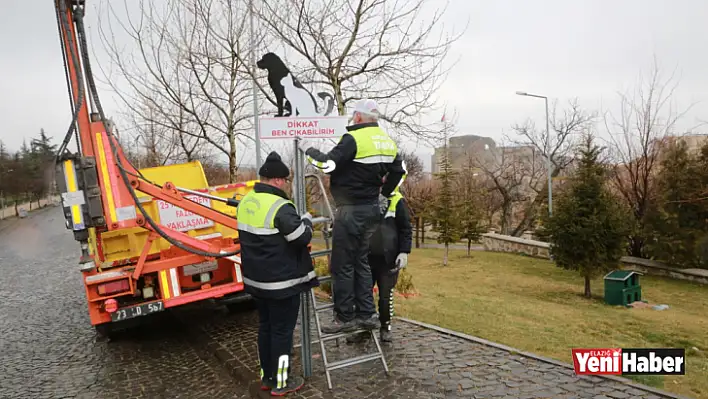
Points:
x=150, y=239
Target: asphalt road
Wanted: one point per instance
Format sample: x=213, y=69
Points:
x=48, y=348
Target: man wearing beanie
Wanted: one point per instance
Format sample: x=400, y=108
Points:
x=357, y=165
x=276, y=267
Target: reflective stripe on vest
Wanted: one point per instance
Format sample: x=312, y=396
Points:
x=391, y=211
x=373, y=146
x=256, y=212
x=296, y=233
x=280, y=285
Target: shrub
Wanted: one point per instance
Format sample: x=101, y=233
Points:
x=322, y=269
x=405, y=283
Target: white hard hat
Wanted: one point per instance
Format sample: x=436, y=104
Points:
x=367, y=107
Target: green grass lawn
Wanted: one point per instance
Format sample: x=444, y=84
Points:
x=532, y=305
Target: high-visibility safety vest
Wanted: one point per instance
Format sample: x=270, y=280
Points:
x=373, y=145
x=270, y=266
x=256, y=212
x=386, y=240
x=393, y=202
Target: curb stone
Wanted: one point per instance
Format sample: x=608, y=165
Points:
x=519, y=352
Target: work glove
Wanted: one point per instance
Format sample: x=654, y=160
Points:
x=383, y=204
x=307, y=216
x=401, y=262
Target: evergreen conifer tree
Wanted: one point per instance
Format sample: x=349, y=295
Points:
x=587, y=230
x=444, y=210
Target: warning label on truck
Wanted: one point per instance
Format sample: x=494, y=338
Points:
x=178, y=219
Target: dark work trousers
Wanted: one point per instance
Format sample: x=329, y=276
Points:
x=351, y=275
x=277, y=319
x=386, y=282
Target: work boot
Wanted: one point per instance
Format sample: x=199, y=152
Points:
x=386, y=335
x=338, y=326
x=267, y=383
x=293, y=384
x=369, y=323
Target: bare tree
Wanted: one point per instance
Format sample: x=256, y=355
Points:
x=157, y=151
x=368, y=49
x=414, y=168
x=420, y=195
x=510, y=172
x=186, y=64
x=488, y=199
x=646, y=118
x=149, y=143
x=567, y=126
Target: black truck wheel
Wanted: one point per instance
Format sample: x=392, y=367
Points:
x=105, y=330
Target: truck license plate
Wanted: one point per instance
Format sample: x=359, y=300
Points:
x=137, y=310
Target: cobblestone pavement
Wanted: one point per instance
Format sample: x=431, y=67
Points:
x=48, y=348
x=424, y=363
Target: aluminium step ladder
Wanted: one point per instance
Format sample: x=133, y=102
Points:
x=323, y=337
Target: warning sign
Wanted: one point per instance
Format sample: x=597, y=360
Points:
x=178, y=219
x=320, y=127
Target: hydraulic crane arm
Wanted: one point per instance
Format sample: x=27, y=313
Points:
x=98, y=183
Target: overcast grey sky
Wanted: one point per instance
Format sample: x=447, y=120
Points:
x=587, y=49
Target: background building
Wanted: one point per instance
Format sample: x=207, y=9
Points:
x=462, y=149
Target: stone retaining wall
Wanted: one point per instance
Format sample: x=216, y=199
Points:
x=9, y=210
x=503, y=243
x=539, y=249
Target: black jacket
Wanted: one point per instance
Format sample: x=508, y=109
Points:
x=393, y=236
x=354, y=183
x=272, y=258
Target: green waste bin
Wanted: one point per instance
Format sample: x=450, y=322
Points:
x=622, y=287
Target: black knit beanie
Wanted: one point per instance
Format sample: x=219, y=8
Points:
x=273, y=167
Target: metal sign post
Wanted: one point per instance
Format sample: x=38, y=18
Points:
x=300, y=199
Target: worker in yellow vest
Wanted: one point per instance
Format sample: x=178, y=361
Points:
x=277, y=267
x=388, y=255
x=390, y=246
x=356, y=166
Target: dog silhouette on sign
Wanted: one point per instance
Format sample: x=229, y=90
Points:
x=290, y=95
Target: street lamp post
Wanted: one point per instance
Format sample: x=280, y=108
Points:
x=254, y=86
x=548, y=150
